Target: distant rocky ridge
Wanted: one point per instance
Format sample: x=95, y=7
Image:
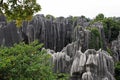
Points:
x=70, y=42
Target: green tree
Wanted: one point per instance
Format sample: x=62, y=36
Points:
x=95, y=39
x=111, y=28
x=25, y=62
x=19, y=10
x=99, y=17
x=117, y=71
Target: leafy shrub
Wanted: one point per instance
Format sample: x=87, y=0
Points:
x=111, y=28
x=62, y=76
x=117, y=71
x=109, y=51
x=25, y=62
x=95, y=40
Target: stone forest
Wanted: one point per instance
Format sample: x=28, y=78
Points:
x=83, y=48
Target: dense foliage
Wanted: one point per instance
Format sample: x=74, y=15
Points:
x=111, y=26
x=99, y=17
x=117, y=71
x=19, y=10
x=25, y=62
x=95, y=39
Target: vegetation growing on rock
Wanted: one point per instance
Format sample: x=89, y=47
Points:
x=111, y=26
x=95, y=39
x=117, y=71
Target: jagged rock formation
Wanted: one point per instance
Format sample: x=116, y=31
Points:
x=9, y=35
x=60, y=60
x=116, y=49
x=62, y=30
x=53, y=32
x=8, y=32
x=90, y=65
x=99, y=26
x=68, y=42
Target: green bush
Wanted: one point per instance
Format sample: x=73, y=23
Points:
x=25, y=62
x=111, y=28
x=109, y=51
x=99, y=17
x=117, y=71
x=95, y=41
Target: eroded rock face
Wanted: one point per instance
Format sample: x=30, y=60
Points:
x=82, y=21
x=116, y=49
x=9, y=35
x=71, y=39
x=90, y=65
x=60, y=60
x=53, y=32
x=82, y=36
x=50, y=32
x=97, y=65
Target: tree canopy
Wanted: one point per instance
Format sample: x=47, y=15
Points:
x=111, y=26
x=19, y=10
x=99, y=17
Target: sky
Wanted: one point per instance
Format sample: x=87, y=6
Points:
x=88, y=8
